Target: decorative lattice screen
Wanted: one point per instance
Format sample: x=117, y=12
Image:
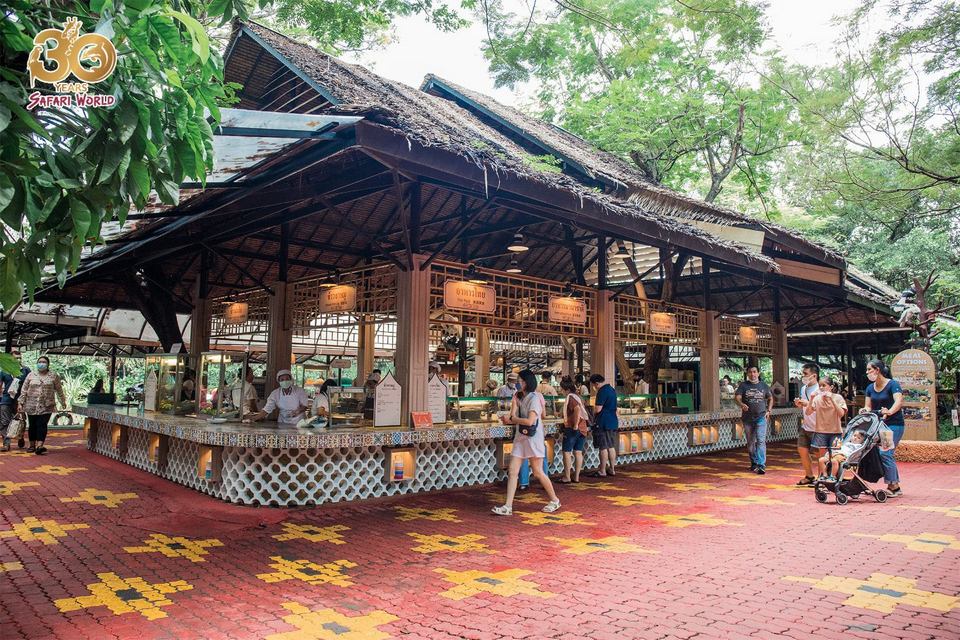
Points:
x=633, y=317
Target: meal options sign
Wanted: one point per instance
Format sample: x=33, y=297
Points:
x=917, y=374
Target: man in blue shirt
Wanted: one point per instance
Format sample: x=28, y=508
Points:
x=605, y=426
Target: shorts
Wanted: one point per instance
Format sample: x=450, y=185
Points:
x=822, y=440
x=804, y=438
x=605, y=438
x=573, y=440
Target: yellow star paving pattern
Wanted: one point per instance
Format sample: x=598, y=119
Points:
x=950, y=490
x=600, y=486
x=745, y=501
x=327, y=624
x=781, y=487
x=882, y=592
x=641, y=475
x=312, y=533
x=691, y=519
x=45, y=531
x=125, y=595
x=7, y=487
x=309, y=572
x=7, y=567
x=691, y=467
x=506, y=583
x=457, y=544
x=925, y=542
x=732, y=475
x=101, y=497
x=523, y=498
x=630, y=501
x=775, y=467
x=538, y=518
x=54, y=470
x=950, y=512
x=405, y=514
x=176, y=547
x=689, y=486
x=585, y=546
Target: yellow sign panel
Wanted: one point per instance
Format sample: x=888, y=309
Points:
x=916, y=372
x=748, y=335
x=567, y=310
x=459, y=295
x=662, y=322
x=338, y=299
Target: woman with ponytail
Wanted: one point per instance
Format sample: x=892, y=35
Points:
x=885, y=396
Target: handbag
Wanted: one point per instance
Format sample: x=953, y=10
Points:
x=528, y=430
x=15, y=428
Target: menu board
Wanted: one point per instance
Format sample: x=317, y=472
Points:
x=662, y=322
x=459, y=295
x=917, y=374
x=386, y=402
x=437, y=399
x=338, y=299
x=567, y=310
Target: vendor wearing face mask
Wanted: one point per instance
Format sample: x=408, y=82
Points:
x=810, y=381
x=290, y=401
x=509, y=389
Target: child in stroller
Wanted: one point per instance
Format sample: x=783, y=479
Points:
x=859, y=453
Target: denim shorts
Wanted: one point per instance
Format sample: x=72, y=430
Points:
x=573, y=440
x=822, y=440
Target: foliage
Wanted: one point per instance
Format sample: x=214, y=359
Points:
x=945, y=349
x=543, y=163
x=669, y=86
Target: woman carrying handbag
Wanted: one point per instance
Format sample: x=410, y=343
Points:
x=38, y=400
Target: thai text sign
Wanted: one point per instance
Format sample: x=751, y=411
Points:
x=917, y=374
x=459, y=295
x=386, y=402
x=662, y=322
x=748, y=335
x=338, y=299
x=567, y=310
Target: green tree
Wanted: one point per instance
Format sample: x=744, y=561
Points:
x=670, y=86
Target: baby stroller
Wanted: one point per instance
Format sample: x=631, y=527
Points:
x=863, y=436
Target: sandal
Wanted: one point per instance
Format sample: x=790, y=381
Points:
x=502, y=510
x=596, y=474
x=806, y=482
x=551, y=506
x=563, y=481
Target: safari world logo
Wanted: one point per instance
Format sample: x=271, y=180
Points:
x=58, y=54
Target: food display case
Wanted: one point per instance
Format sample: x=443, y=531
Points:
x=637, y=403
x=222, y=385
x=163, y=385
x=312, y=376
x=346, y=407
x=477, y=409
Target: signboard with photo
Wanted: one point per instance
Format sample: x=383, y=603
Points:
x=917, y=374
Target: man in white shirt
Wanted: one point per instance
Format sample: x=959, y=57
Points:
x=810, y=386
x=509, y=389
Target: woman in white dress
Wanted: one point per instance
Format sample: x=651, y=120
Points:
x=528, y=443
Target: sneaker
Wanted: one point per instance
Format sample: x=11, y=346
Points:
x=6, y=445
x=894, y=493
x=503, y=510
x=753, y=466
x=31, y=449
x=551, y=506
x=760, y=470
x=21, y=444
x=523, y=487
x=40, y=451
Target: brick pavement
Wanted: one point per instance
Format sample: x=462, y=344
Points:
x=90, y=548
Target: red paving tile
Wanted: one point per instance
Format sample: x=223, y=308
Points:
x=781, y=566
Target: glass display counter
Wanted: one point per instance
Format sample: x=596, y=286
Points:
x=164, y=387
x=223, y=385
x=638, y=403
x=347, y=407
x=477, y=409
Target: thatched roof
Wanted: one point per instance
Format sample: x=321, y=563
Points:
x=628, y=182
x=435, y=122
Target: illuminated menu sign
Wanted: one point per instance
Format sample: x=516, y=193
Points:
x=338, y=299
x=662, y=322
x=459, y=295
x=567, y=310
x=748, y=335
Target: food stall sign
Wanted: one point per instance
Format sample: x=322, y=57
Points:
x=662, y=322
x=916, y=372
x=421, y=419
x=459, y=295
x=341, y=363
x=748, y=335
x=338, y=299
x=236, y=313
x=567, y=310
x=386, y=402
x=437, y=399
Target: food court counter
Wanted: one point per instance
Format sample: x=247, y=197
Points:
x=264, y=464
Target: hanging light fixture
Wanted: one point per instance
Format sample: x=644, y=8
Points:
x=514, y=267
x=329, y=284
x=621, y=251
x=475, y=276
x=518, y=245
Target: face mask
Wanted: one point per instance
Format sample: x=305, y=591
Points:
x=872, y=376
x=42, y=366
x=286, y=384
x=808, y=380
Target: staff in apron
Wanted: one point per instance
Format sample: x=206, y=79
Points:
x=290, y=401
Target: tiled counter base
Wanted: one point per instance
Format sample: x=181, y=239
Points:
x=287, y=467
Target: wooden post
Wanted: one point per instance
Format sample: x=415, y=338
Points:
x=710, y=362
x=602, y=358
x=279, y=335
x=413, y=336
x=365, y=348
x=113, y=367
x=481, y=360
x=781, y=358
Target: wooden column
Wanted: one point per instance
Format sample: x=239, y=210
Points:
x=781, y=359
x=413, y=336
x=365, y=350
x=602, y=355
x=481, y=360
x=279, y=335
x=710, y=362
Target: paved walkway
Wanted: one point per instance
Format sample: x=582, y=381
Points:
x=90, y=548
